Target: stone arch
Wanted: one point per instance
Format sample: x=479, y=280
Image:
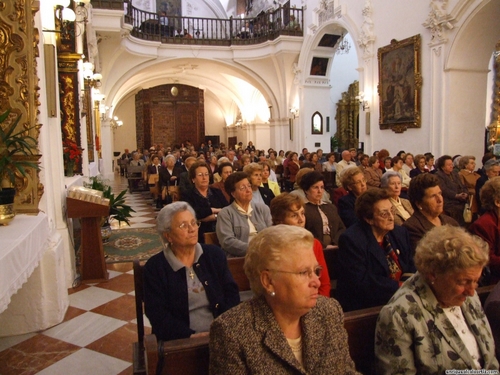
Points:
x=466, y=77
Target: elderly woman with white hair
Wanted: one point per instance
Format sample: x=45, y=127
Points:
x=187, y=284
x=435, y=322
x=391, y=182
x=287, y=328
x=169, y=176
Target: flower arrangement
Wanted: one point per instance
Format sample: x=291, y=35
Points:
x=72, y=153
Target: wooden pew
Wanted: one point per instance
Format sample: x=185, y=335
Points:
x=236, y=267
x=184, y=356
x=331, y=255
x=191, y=356
x=360, y=326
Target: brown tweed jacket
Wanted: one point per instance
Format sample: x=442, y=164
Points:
x=248, y=340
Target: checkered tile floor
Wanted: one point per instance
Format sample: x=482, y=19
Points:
x=99, y=328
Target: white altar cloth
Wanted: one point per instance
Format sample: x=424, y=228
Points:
x=32, y=276
x=23, y=242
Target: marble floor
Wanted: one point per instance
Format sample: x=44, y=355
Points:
x=99, y=328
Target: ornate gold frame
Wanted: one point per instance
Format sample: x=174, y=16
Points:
x=400, y=83
x=19, y=87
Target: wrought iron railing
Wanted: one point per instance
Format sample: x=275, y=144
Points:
x=209, y=31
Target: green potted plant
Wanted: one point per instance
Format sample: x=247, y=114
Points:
x=118, y=210
x=12, y=145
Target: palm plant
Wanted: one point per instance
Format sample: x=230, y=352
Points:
x=118, y=210
x=13, y=144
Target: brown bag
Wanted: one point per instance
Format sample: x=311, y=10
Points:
x=467, y=211
x=173, y=191
x=153, y=179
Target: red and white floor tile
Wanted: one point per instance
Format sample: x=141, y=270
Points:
x=99, y=328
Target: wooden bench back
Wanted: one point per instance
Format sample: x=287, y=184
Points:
x=191, y=356
x=211, y=238
x=331, y=255
x=236, y=267
x=360, y=326
x=138, y=347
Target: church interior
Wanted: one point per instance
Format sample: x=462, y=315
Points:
x=96, y=77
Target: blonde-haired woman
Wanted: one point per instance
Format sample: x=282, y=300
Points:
x=287, y=328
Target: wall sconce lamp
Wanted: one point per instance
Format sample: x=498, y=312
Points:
x=115, y=123
x=362, y=101
x=91, y=78
x=65, y=16
x=294, y=111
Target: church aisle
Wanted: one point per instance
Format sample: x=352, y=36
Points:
x=99, y=328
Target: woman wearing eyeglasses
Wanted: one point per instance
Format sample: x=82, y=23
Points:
x=242, y=219
x=287, y=328
x=353, y=180
x=206, y=201
x=374, y=255
x=186, y=285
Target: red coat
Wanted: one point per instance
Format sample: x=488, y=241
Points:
x=488, y=228
x=325, y=287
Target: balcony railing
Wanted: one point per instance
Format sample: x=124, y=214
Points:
x=209, y=31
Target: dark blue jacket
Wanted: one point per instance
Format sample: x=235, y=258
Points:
x=363, y=272
x=166, y=296
x=346, y=209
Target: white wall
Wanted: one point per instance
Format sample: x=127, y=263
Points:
x=343, y=73
x=125, y=136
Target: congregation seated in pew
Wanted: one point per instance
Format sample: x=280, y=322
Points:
x=353, y=181
x=286, y=324
x=206, y=201
x=289, y=209
x=188, y=284
x=427, y=201
x=435, y=322
x=242, y=219
x=322, y=219
x=374, y=255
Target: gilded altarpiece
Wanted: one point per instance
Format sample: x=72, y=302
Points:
x=19, y=88
x=67, y=63
x=348, y=117
x=69, y=99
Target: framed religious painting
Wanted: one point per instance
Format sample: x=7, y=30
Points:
x=400, y=83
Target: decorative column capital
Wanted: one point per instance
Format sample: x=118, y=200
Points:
x=438, y=22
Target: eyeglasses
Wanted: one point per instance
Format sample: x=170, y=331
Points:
x=203, y=174
x=360, y=182
x=304, y=274
x=386, y=214
x=193, y=224
x=245, y=187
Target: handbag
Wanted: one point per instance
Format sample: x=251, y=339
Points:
x=153, y=179
x=467, y=211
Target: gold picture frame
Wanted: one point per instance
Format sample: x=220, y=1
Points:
x=400, y=83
